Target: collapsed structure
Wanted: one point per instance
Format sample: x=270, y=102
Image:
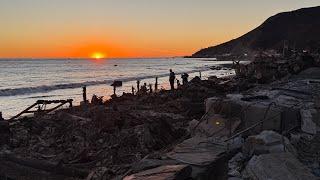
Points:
x=262, y=124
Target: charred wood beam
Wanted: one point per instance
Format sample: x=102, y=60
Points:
x=23, y=112
x=43, y=102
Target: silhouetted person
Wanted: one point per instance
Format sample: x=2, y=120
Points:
x=84, y=94
x=132, y=90
x=114, y=90
x=172, y=77
x=1, y=118
x=178, y=84
x=150, y=88
x=184, y=78
x=138, y=85
x=156, y=85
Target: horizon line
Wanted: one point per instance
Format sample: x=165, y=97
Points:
x=83, y=58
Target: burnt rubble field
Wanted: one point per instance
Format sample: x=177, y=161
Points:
x=261, y=124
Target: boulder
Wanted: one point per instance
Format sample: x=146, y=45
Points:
x=310, y=120
x=214, y=126
x=235, y=166
x=267, y=142
x=277, y=166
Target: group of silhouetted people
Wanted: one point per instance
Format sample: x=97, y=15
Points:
x=172, y=78
x=144, y=89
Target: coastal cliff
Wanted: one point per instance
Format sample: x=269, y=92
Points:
x=299, y=30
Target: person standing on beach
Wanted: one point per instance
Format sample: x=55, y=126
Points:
x=172, y=77
x=178, y=84
x=1, y=118
x=84, y=94
x=132, y=90
x=138, y=85
x=184, y=77
x=156, y=85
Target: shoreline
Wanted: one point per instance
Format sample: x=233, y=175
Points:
x=103, y=89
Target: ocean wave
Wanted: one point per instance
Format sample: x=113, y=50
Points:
x=48, y=88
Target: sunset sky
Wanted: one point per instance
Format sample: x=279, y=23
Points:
x=128, y=28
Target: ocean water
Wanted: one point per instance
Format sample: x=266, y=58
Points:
x=24, y=81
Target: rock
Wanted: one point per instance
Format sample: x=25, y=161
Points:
x=267, y=142
x=309, y=118
x=277, y=166
x=158, y=134
x=215, y=126
x=145, y=164
x=4, y=132
x=214, y=79
x=174, y=172
x=236, y=143
x=235, y=165
x=198, y=151
x=308, y=148
x=100, y=173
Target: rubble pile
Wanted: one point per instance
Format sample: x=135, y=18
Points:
x=280, y=125
x=262, y=124
x=266, y=68
x=267, y=132
x=86, y=143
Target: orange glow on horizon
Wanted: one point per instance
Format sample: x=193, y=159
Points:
x=98, y=55
x=61, y=29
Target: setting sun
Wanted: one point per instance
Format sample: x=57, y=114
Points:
x=98, y=55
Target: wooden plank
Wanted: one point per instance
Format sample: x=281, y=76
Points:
x=16, y=116
x=43, y=102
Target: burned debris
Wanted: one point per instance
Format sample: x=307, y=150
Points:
x=268, y=68
x=261, y=124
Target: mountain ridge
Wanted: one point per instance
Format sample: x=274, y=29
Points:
x=299, y=29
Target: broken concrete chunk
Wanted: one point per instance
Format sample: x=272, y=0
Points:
x=145, y=164
x=197, y=151
x=214, y=126
x=236, y=143
x=307, y=121
x=257, y=112
x=277, y=166
x=267, y=142
x=227, y=106
x=173, y=172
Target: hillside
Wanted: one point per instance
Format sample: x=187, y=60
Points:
x=300, y=29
